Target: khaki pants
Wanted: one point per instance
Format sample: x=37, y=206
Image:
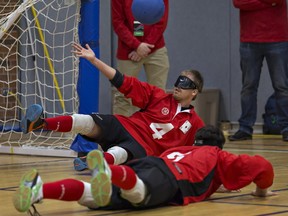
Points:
x=156, y=67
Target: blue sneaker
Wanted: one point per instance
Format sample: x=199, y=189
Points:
x=32, y=119
x=101, y=186
x=80, y=164
x=29, y=191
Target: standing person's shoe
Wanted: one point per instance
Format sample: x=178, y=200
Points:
x=32, y=119
x=240, y=135
x=285, y=136
x=29, y=192
x=101, y=186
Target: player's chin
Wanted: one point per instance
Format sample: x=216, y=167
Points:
x=176, y=96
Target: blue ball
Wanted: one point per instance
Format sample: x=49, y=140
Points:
x=148, y=11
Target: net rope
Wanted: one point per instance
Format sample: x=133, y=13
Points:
x=37, y=66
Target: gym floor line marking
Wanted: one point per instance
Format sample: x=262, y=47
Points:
x=9, y=188
x=257, y=144
x=30, y=163
x=253, y=204
x=240, y=195
x=274, y=213
x=111, y=213
x=258, y=150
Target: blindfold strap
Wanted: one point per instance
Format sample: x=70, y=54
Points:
x=210, y=142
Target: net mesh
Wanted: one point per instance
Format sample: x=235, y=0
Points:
x=37, y=66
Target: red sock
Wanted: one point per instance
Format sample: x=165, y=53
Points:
x=109, y=158
x=60, y=123
x=67, y=190
x=123, y=176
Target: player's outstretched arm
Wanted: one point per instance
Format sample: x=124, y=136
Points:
x=262, y=192
x=88, y=54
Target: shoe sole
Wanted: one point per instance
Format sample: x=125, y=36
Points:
x=101, y=187
x=242, y=139
x=22, y=197
x=33, y=113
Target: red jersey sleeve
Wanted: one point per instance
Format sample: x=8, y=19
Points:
x=157, y=29
x=119, y=20
x=238, y=171
x=139, y=92
x=250, y=5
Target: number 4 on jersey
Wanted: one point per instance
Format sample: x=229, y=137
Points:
x=160, y=129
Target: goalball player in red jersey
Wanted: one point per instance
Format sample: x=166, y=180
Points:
x=164, y=121
x=179, y=176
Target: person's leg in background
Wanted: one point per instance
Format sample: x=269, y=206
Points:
x=251, y=64
x=122, y=105
x=157, y=68
x=277, y=60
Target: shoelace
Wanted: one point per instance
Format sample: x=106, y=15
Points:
x=34, y=211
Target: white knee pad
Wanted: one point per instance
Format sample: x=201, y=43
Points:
x=82, y=124
x=86, y=198
x=135, y=195
x=120, y=155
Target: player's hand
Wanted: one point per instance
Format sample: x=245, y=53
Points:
x=133, y=56
x=222, y=189
x=144, y=49
x=86, y=53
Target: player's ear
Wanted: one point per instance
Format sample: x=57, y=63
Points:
x=195, y=92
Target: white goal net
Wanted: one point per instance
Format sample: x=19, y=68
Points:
x=37, y=66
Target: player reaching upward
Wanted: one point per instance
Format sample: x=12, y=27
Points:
x=164, y=121
x=180, y=176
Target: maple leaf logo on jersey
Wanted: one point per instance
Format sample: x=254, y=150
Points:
x=165, y=111
x=186, y=127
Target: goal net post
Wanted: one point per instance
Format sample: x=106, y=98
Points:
x=37, y=66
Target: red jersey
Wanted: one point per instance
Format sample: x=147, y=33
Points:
x=200, y=170
x=123, y=25
x=263, y=21
x=160, y=124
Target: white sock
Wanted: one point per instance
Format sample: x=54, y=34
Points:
x=86, y=198
x=120, y=154
x=82, y=124
x=135, y=195
x=39, y=195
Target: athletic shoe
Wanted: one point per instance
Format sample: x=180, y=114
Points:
x=29, y=191
x=240, y=135
x=101, y=186
x=32, y=119
x=285, y=136
x=80, y=163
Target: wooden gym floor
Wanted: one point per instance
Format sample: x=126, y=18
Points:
x=51, y=169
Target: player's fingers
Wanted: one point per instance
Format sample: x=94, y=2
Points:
x=88, y=47
x=151, y=46
x=77, y=46
x=271, y=193
x=77, y=53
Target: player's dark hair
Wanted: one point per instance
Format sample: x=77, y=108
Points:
x=198, y=79
x=210, y=135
